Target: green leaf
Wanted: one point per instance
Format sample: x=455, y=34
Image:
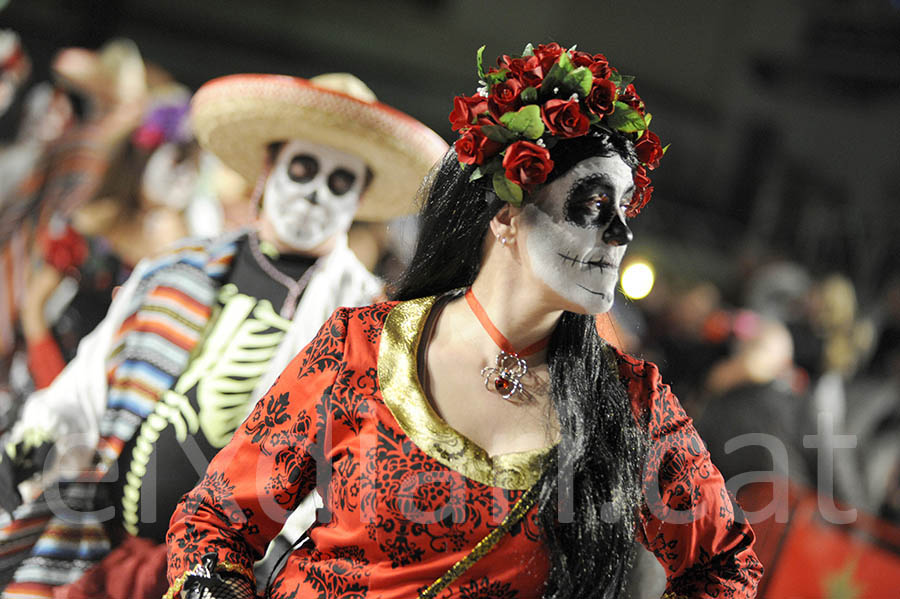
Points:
x=529, y=95
x=624, y=81
x=665, y=149
x=476, y=174
x=493, y=165
x=506, y=190
x=499, y=134
x=557, y=74
x=529, y=50
x=580, y=81
x=647, y=118
x=625, y=119
x=479, y=63
x=615, y=77
x=526, y=121
x=494, y=78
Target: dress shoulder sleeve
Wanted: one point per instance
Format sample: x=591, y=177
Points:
x=688, y=519
x=253, y=484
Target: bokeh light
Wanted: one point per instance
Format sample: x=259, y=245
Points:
x=637, y=280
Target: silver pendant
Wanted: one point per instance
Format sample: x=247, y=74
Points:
x=506, y=377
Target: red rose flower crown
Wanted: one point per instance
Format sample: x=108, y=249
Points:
x=530, y=102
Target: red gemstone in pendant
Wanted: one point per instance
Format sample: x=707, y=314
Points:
x=502, y=385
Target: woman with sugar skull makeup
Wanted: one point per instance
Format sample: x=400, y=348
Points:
x=475, y=437
x=194, y=337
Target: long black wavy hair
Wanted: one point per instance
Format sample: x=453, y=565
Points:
x=596, y=469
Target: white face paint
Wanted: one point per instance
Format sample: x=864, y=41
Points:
x=312, y=193
x=575, y=231
x=170, y=178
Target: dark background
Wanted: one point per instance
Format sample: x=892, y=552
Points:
x=783, y=116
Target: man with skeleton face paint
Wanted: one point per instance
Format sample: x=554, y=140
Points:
x=311, y=195
x=194, y=338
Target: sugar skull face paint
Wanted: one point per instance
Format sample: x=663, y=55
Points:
x=576, y=233
x=312, y=193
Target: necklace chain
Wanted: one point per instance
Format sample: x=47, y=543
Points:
x=505, y=377
x=294, y=287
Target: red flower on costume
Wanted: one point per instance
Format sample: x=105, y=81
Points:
x=466, y=111
x=64, y=252
x=527, y=164
x=602, y=97
x=565, y=118
x=474, y=147
x=505, y=97
x=649, y=150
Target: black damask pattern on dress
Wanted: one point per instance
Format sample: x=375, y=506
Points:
x=705, y=577
x=354, y=393
x=338, y=574
x=373, y=319
x=326, y=351
x=485, y=588
x=268, y=414
x=425, y=506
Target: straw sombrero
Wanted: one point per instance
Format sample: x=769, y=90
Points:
x=238, y=116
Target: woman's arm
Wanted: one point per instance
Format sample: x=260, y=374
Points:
x=252, y=485
x=688, y=518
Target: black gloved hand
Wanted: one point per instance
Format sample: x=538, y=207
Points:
x=18, y=464
x=9, y=491
x=206, y=583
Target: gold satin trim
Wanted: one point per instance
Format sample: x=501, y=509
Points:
x=403, y=394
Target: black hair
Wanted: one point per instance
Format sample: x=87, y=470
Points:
x=602, y=450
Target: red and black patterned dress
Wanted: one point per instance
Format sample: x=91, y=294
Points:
x=407, y=496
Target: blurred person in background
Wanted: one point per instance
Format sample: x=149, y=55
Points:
x=107, y=89
x=137, y=212
x=750, y=391
x=196, y=335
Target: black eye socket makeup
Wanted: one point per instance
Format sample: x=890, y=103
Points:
x=588, y=203
x=341, y=181
x=303, y=168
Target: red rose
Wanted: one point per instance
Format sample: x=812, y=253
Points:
x=64, y=251
x=597, y=64
x=565, y=118
x=505, y=97
x=640, y=199
x=642, y=192
x=630, y=97
x=640, y=177
x=527, y=164
x=601, y=98
x=466, y=111
x=473, y=147
x=548, y=54
x=649, y=150
x=526, y=69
